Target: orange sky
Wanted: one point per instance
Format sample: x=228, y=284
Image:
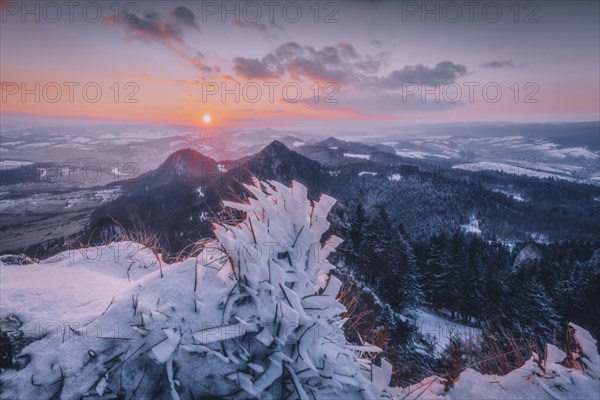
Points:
x=156, y=68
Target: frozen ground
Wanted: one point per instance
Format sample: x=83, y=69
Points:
x=115, y=321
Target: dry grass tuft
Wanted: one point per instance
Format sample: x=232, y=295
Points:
x=503, y=351
x=358, y=324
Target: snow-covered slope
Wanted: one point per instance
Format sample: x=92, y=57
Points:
x=74, y=286
x=255, y=315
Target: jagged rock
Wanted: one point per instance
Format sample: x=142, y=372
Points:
x=529, y=254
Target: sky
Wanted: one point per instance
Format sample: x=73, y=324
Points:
x=316, y=65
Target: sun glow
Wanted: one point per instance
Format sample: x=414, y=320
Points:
x=206, y=118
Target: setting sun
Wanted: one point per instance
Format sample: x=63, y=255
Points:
x=206, y=118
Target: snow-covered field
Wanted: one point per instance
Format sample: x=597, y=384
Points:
x=440, y=330
x=514, y=154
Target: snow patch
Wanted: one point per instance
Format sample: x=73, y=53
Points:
x=472, y=226
x=514, y=195
x=440, y=330
x=361, y=156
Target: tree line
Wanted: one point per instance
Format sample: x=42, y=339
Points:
x=527, y=287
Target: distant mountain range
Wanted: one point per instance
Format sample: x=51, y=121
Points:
x=184, y=194
x=511, y=181
x=569, y=151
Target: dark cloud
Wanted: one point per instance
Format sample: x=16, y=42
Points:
x=184, y=17
x=300, y=62
x=371, y=64
x=376, y=42
x=253, y=68
x=348, y=50
x=151, y=27
x=151, y=14
x=371, y=92
x=443, y=73
x=339, y=63
x=497, y=64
